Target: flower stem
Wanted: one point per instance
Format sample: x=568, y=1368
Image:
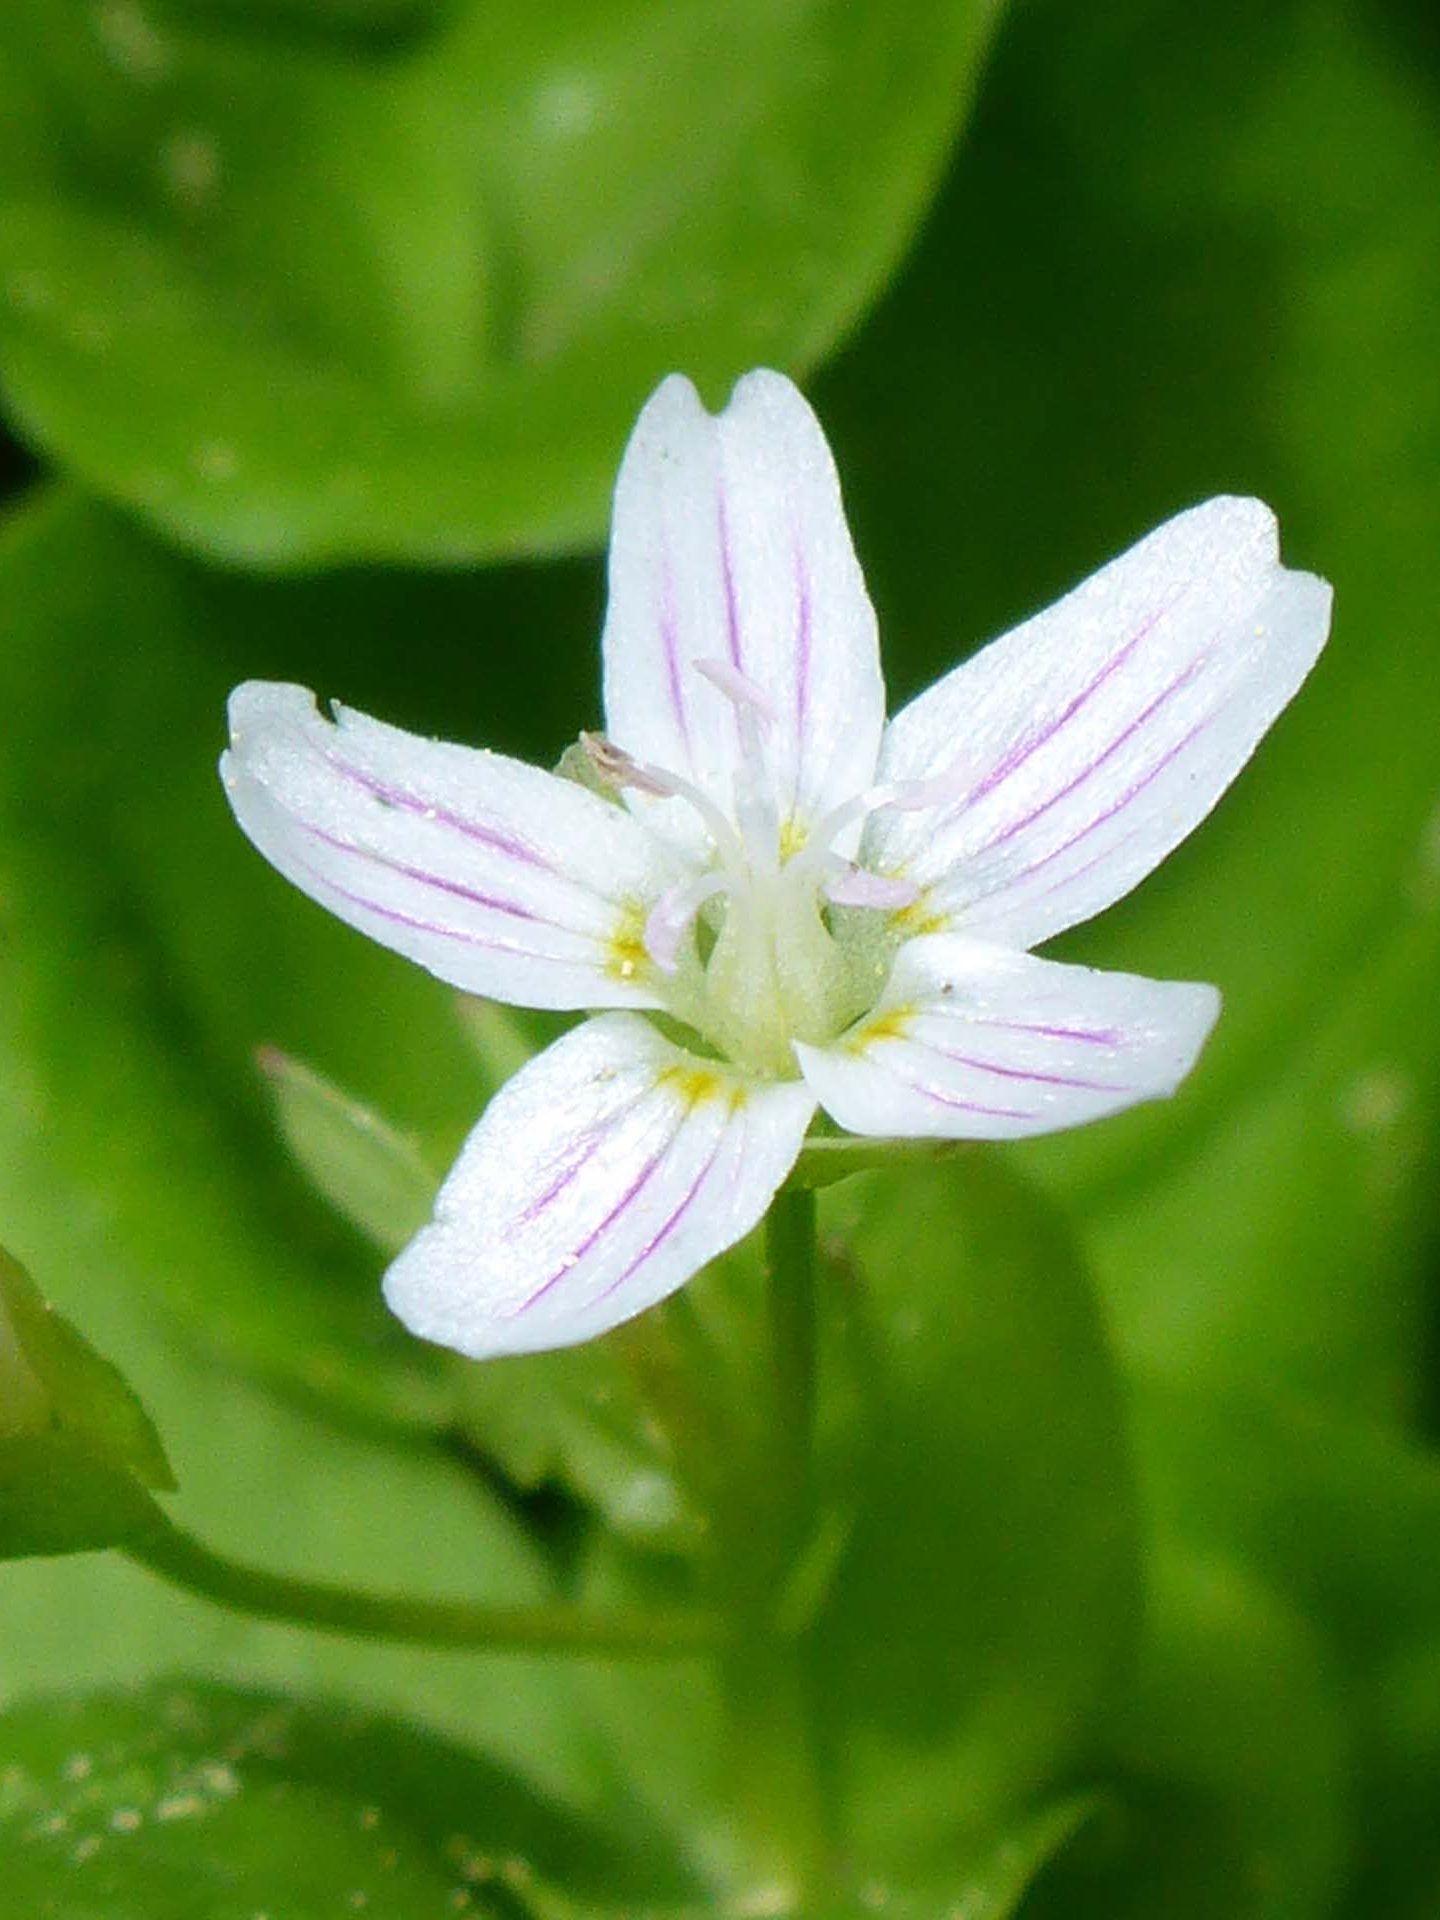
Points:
x=177, y=1556
x=790, y=1250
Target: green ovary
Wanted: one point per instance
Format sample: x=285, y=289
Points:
x=777, y=973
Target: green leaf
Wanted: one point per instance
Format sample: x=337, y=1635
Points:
x=1340, y=1516
x=577, y=1419
x=996, y=1888
x=1237, y=1805
x=190, y=1800
x=984, y=1602
x=159, y=953
x=77, y=1449
x=402, y=297
x=581, y=1420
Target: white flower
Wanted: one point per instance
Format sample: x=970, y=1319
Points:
x=838, y=911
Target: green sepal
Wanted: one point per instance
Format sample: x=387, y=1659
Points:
x=372, y=1174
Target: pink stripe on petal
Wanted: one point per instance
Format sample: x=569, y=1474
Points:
x=1131, y=793
x=592, y=1239
x=1128, y=733
x=1093, y=1036
x=399, y=919
x=1022, y=1073
x=425, y=879
x=589, y=1145
x=1026, y=749
x=662, y=1234
x=733, y=637
x=951, y=1100
x=668, y=621
x=411, y=803
x=802, y=642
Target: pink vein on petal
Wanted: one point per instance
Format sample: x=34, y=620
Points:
x=1092, y=1036
x=435, y=880
x=727, y=578
x=577, y=1254
x=962, y=1106
x=1132, y=792
x=1127, y=733
x=669, y=623
x=1024, y=749
x=663, y=1233
x=396, y=918
x=404, y=802
x=802, y=647
x=1022, y=1073
x=589, y=1143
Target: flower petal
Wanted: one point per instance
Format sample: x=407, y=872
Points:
x=1098, y=734
x=599, y=1179
x=973, y=1042
x=498, y=877
x=730, y=545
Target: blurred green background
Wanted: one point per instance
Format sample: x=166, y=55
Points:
x=322, y=323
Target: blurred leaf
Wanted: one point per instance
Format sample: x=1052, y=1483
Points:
x=1238, y=1798
x=998, y=1885
x=579, y=1419
x=373, y=1175
x=985, y=1602
x=1338, y=1515
x=341, y=297
x=77, y=1449
x=1223, y=269
x=189, y=1800
x=382, y=19
x=504, y=1038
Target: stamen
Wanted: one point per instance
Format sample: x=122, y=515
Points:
x=737, y=687
x=618, y=769
x=906, y=795
x=753, y=790
x=672, y=915
x=909, y=796
x=854, y=887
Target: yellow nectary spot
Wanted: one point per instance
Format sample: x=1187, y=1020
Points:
x=919, y=917
x=626, y=958
x=695, y=1084
x=893, y=1024
x=793, y=836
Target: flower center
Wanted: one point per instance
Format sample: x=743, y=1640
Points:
x=778, y=937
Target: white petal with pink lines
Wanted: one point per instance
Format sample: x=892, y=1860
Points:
x=599, y=1179
x=974, y=1042
x=729, y=545
x=498, y=877
x=1096, y=736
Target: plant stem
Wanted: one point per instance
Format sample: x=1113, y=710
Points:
x=177, y=1556
x=790, y=1250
